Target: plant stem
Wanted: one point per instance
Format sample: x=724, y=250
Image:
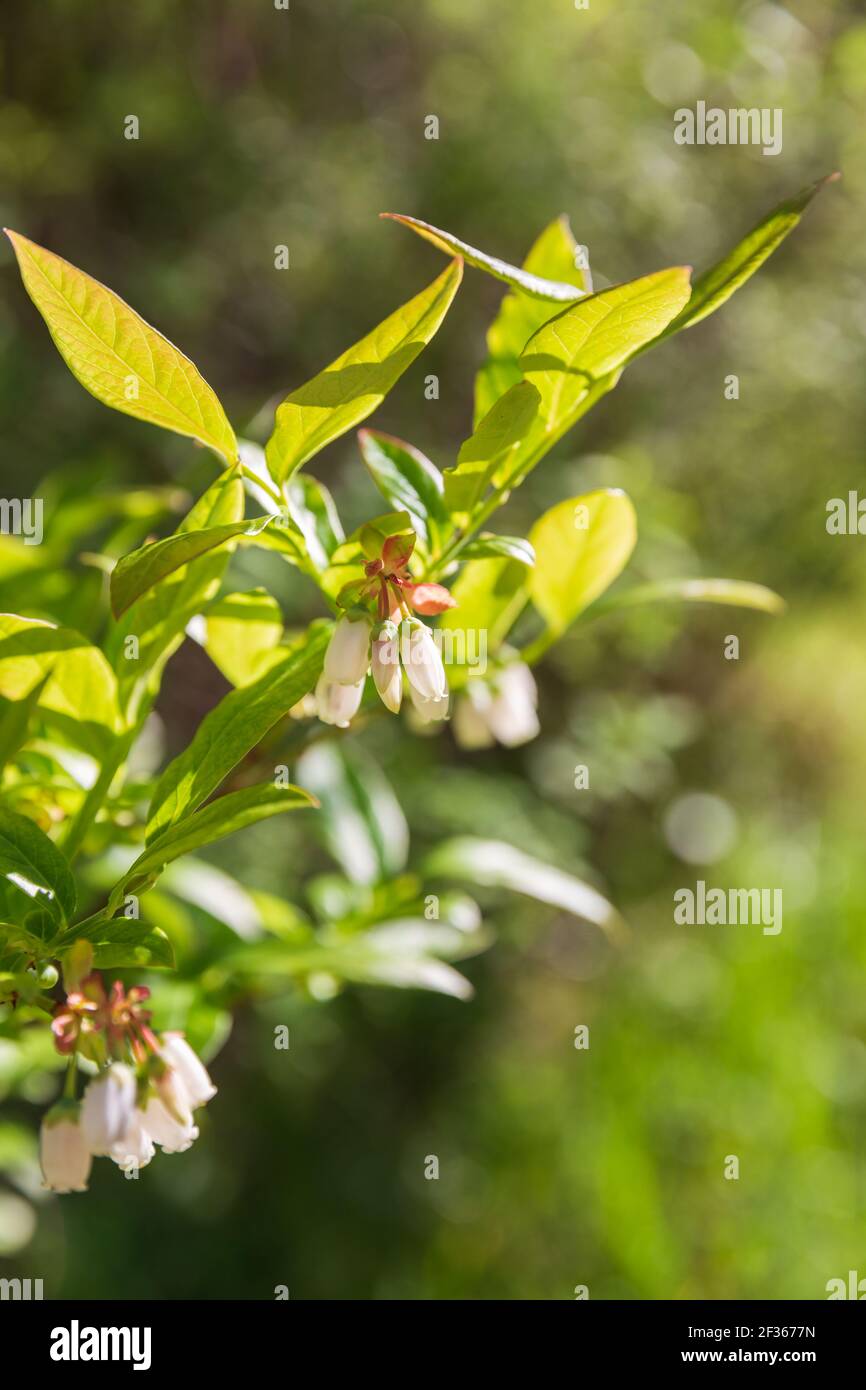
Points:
x=70, y=1082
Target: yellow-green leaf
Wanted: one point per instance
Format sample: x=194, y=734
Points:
x=117, y=357
x=554, y=256
x=79, y=695
x=596, y=336
x=581, y=546
x=242, y=634
x=488, y=454
x=538, y=286
x=717, y=284
x=737, y=593
x=347, y=391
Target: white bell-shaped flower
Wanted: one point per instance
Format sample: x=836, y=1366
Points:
x=106, y=1110
x=387, y=676
x=337, y=704
x=422, y=661
x=64, y=1152
x=134, y=1149
x=348, y=656
x=165, y=1130
x=189, y=1067
x=511, y=715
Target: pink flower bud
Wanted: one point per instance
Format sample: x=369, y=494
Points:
x=387, y=675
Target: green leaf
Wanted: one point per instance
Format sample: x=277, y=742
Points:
x=525, y=280
x=144, y=568
x=581, y=546
x=716, y=285
x=487, y=544
x=408, y=480
x=596, y=337
x=118, y=357
x=242, y=634
x=362, y=821
x=158, y=620
x=219, y=818
x=312, y=509
x=233, y=729
x=347, y=391
x=490, y=595
x=77, y=687
x=488, y=455
x=738, y=593
x=34, y=864
x=15, y=716
x=129, y=943
x=495, y=864
x=554, y=256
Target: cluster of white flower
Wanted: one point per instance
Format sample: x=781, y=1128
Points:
x=124, y=1114
x=502, y=709
x=358, y=647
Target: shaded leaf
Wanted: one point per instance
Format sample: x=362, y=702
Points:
x=34, y=864
x=495, y=864
x=144, y=568
x=363, y=824
x=312, y=509
x=408, y=480
x=219, y=818
x=513, y=547
x=236, y=726
x=738, y=593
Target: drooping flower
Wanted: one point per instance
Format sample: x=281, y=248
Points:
x=337, y=704
x=134, y=1149
x=189, y=1067
x=422, y=661
x=64, y=1151
x=429, y=711
x=502, y=709
x=106, y=1111
x=385, y=666
x=172, y=1136
x=348, y=656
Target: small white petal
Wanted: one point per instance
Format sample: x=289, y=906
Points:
x=429, y=711
x=387, y=676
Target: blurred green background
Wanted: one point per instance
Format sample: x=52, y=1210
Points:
x=558, y=1167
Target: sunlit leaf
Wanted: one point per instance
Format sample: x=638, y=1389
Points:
x=522, y=279
x=78, y=693
x=347, y=391
x=490, y=594
x=144, y=568
x=488, y=455
x=487, y=545
x=714, y=286
x=242, y=634
x=581, y=546
x=554, y=256
x=118, y=357
x=597, y=336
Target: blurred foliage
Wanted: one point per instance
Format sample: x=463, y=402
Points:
x=558, y=1167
